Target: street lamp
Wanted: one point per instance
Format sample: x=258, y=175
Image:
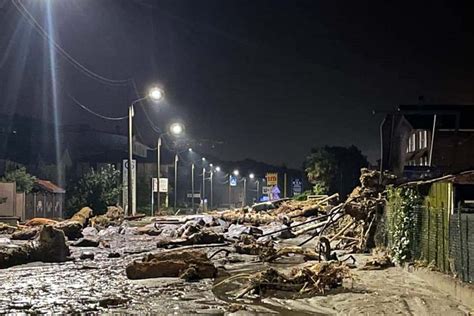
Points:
x=236, y=172
x=155, y=94
x=251, y=176
x=176, y=159
x=176, y=129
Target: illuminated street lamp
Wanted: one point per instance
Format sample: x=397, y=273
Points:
x=176, y=129
x=236, y=172
x=251, y=176
x=218, y=169
x=155, y=94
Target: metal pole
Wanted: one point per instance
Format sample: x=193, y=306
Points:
x=203, y=184
x=229, y=191
x=432, y=140
x=192, y=186
x=212, y=190
x=158, y=167
x=152, y=201
x=130, y=158
x=244, y=198
x=175, y=179
x=258, y=190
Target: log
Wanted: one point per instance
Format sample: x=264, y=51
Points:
x=172, y=264
x=307, y=253
x=312, y=209
x=72, y=227
x=310, y=227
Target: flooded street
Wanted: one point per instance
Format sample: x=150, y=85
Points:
x=101, y=285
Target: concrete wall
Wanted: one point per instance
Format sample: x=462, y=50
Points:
x=8, y=190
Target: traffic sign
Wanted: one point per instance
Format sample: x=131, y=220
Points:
x=297, y=186
x=272, y=178
x=233, y=181
x=163, y=185
x=266, y=190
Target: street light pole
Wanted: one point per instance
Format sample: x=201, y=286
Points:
x=130, y=158
x=192, y=186
x=212, y=191
x=258, y=187
x=203, y=184
x=158, y=164
x=176, y=158
x=244, y=197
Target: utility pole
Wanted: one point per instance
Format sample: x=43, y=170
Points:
x=229, y=191
x=258, y=187
x=130, y=158
x=203, y=184
x=244, y=197
x=158, y=165
x=212, y=190
x=176, y=158
x=192, y=186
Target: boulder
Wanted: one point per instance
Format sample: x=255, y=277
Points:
x=85, y=242
x=26, y=233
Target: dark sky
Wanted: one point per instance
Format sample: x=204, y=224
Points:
x=271, y=79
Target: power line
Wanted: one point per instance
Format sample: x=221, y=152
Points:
x=29, y=17
x=82, y=106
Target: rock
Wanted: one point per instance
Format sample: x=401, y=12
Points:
x=5, y=241
x=72, y=229
x=113, y=255
x=90, y=231
x=50, y=245
x=40, y=222
x=84, y=242
x=149, y=230
x=202, y=237
x=25, y=234
x=87, y=255
x=112, y=301
x=172, y=264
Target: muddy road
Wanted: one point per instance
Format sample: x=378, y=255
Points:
x=100, y=285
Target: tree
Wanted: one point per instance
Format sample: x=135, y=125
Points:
x=96, y=189
x=334, y=169
x=24, y=180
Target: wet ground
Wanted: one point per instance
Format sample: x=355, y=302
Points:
x=100, y=285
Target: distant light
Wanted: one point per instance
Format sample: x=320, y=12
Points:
x=156, y=94
x=210, y=165
x=236, y=172
x=251, y=176
x=190, y=150
x=176, y=129
x=203, y=158
x=218, y=168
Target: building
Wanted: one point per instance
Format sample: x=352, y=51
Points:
x=428, y=140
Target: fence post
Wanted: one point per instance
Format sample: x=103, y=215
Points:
x=468, y=272
x=460, y=244
x=428, y=241
x=443, y=224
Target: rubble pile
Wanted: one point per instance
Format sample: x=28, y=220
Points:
x=312, y=279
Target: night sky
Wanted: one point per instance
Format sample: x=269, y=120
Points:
x=270, y=79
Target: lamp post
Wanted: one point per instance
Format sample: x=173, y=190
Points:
x=235, y=173
x=192, y=186
x=203, y=190
x=155, y=94
x=176, y=158
x=244, y=195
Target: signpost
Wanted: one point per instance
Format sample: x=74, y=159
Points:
x=233, y=181
x=297, y=186
x=266, y=190
x=272, y=178
x=125, y=186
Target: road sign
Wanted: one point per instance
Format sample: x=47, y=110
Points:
x=196, y=195
x=266, y=190
x=233, y=181
x=272, y=178
x=163, y=185
x=297, y=186
x=125, y=186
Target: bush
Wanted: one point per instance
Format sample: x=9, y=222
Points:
x=96, y=189
x=24, y=180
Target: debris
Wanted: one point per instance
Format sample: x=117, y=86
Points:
x=48, y=246
x=172, y=264
x=26, y=233
x=87, y=255
x=113, y=217
x=72, y=227
x=202, y=237
x=307, y=253
x=113, y=255
x=39, y=221
x=7, y=229
x=112, y=301
x=313, y=279
x=248, y=245
x=85, y=242
x=380, y=260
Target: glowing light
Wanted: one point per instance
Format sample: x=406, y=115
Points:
x=190, y=150
x=218, y=168
x=251, y=176
x=176, y=129
x=203, y=159
x=236, y=172
x=156, y=94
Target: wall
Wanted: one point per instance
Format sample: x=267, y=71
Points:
x=8, y=190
